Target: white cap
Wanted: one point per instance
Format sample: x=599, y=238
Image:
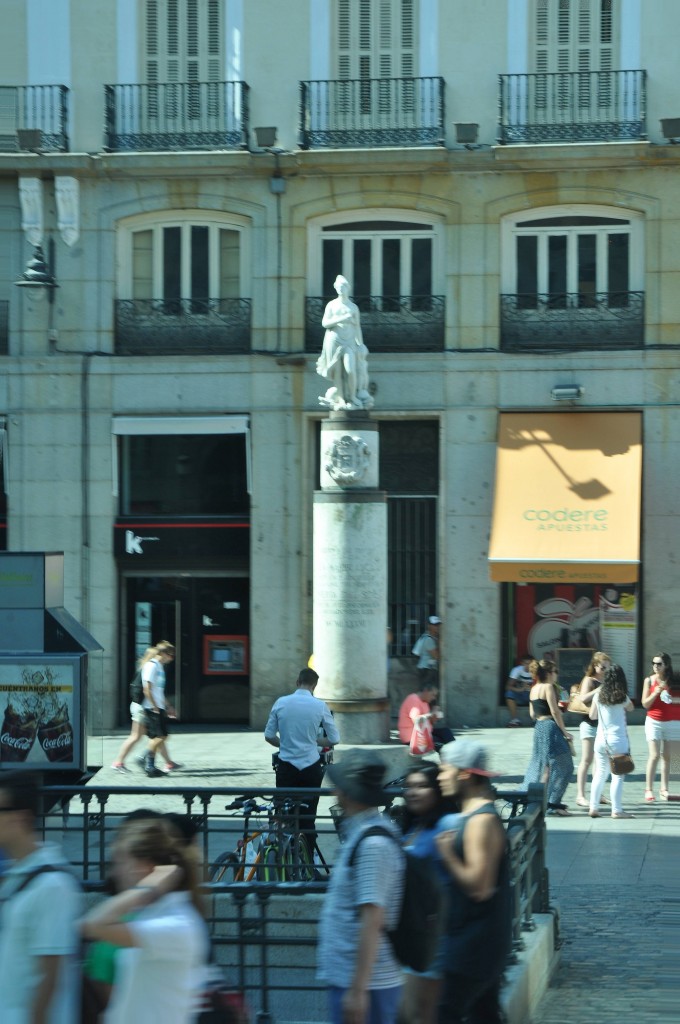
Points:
x=434, y=620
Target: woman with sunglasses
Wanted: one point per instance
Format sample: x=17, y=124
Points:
x=655, y=693
x=426, y=814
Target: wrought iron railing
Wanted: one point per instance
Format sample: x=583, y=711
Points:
x=572, y=106
x=372, y=112
x=38, y=108
x=4, y=327
x=176, y=326
x=399, y=323
x=176, y=116
x=264, y=934
x=572, y=321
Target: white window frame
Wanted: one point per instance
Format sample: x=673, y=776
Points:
x=512, y=227
x=423, y=227
x=184, y=219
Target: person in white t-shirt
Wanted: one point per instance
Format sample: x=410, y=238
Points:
x=517, y=689
x=157, y=921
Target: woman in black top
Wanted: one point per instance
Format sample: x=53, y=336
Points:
x=552, y=759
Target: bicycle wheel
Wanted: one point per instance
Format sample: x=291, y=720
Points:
x=225, y=869
x=276, y=864
x=304, y=864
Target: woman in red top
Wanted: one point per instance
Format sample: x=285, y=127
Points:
x=656, y=733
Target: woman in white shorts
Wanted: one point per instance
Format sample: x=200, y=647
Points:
x=590, y=683
x=137, y=732
x=658, y=728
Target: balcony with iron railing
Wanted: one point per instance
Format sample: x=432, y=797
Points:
x=369, y=112
x=145, y=327
x=39, y=110
x=400, y=323
x=176, y=116
x=4, y=327
x=572, y=106
x=559, y=321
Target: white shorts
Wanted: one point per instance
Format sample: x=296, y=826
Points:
x=671, y=731
x=137, y=713
x=654, y=730
x=587, y=729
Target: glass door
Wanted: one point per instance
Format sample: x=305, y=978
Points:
x=206, y=617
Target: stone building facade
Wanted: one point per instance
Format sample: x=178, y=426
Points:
x=497, y=180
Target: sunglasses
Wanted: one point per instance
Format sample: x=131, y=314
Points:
x=657, y=664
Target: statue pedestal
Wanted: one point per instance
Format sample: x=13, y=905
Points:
x=350, y=579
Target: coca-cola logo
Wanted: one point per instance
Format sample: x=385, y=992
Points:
x=18, y=742
x=64, y=740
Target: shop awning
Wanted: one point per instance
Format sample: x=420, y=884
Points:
x=567, y=498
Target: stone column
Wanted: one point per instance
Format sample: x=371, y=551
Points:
x=350, y=578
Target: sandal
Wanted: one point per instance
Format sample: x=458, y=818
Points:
x=594, y=814
x=623, y=814
x=649, y=797
x=663, y=794
x=582, y=802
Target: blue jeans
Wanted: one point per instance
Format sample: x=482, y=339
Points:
x=382, y=1009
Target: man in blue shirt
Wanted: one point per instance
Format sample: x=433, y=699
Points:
x=293, y=726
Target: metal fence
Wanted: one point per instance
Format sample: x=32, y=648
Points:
x=531, y=323
x=372, y=112
x=264, y=934
x=145, y=327
x=572, y=106
x=176, y=116
x=39, y=109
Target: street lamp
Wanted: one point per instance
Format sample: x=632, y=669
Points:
x=38, y=276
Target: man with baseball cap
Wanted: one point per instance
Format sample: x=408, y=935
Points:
x=354, y=955
x=479, y=928
x=426, y=648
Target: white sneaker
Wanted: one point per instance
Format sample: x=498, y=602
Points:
x=120, y=767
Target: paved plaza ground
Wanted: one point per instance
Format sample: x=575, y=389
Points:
x=616, y=882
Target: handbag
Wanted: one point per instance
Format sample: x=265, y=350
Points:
x=621, y=764
x=422, y=740
x=575, y=703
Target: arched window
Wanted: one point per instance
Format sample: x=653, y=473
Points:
x=562, y=260
x=392, y=261
x=188, y=265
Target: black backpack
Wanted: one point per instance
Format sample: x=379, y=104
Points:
x=416, y=936
x=137, y=688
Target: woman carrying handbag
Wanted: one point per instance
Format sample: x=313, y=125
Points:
x=609, y=707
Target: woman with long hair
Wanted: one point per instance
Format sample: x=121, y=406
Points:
x=608, y=708
x=590, y=683
x=551, y=759
x=138, y=713
x=156, y=918
x=426, y=814
x=653, y=688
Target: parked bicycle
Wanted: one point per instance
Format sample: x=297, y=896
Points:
x=275, y=850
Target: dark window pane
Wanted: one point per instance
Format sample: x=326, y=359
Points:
x=178, y=475
x=527, y=271
x=618, y=269
x=568, y=222
x=421, y=270
x=172, y=268
x=331, y=255
x=587, y=280
x=200, y=280
x=378, y=225
x=391, y=268
x=557, y=268
x=409, y=457
x=361, y=285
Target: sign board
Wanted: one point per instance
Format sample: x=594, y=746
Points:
x=572, y=663
x=40, y=704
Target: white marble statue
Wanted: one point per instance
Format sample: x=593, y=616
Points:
x=343, y=359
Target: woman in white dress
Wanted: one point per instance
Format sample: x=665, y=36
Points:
x=610, y=705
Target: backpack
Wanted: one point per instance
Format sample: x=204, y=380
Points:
x=416, y=936
x=137, y=688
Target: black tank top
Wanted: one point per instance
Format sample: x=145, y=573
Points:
x=541, y=707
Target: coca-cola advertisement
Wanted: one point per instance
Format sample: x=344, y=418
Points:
x=39, y=708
